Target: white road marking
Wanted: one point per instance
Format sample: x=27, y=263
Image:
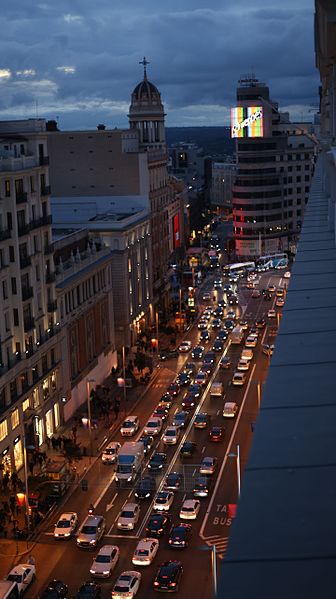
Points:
x=203, y=449
x=105, y=489
x=218, y=412
x=109, y=505
x=121, y=536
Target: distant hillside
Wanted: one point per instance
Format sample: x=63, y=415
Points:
x=213, y=140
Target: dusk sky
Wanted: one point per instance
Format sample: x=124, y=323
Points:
x=78, y=60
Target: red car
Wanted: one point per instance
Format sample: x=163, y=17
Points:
x=188, y=402
x=216, y=433
x=173, y=389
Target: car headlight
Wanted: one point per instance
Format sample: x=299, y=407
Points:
x=92, y=572
x=66, y=534
x=129, y=479
x=147, y=495
x=106, y=572
x=93, y=542
x=130, y=525
x=56, y=534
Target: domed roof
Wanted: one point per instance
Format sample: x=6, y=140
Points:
x=147, y=92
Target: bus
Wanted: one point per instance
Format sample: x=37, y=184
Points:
x=272, y=261
x=241, y=269
x=9, y=590
x=237, y=335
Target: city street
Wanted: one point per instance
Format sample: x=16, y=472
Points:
x=64, y=561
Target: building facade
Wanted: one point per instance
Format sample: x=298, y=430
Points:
x=223, y=175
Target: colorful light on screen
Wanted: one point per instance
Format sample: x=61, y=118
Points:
x=247, y=121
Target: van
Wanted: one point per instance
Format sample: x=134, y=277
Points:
x=91, y=532
x=216, y=390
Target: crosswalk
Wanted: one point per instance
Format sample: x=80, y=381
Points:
x=220, y=543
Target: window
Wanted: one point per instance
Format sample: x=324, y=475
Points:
x=4, y=290
x=3, y=430
x=16, y=317
x=7, y=325
x=9, y=221
x=15, y=420
x=7, y=188
x=32, y=186
x=14, y=288
x=37, y=272
x=11, y=254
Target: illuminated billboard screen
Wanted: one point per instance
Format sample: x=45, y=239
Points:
x=247, y=121
x=176, y=232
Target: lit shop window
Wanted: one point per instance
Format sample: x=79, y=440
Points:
x=3, y=429
x=15, y=419
x=26, y=404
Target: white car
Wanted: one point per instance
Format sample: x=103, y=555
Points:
x=202, y=325
x=208, y=465
x=23, y=575
x=109, y=455
x=230, y=409
x=66, y=525
x=239, y=379
x=127, y=585
x=105, y=561
x=163, y=501
x=247, y=354
x=243, y=365
x=130, y=426
x=128, y=516
x=153, y=427
x=287, y=274
x=189, y=509
x=279, y=302
x=171, y=435
x=184, y=347
x=271, y=314
x=145, y=552
x=251, y=341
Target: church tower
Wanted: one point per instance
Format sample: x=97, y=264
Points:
x=146, y=113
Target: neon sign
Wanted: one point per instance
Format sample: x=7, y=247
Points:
x=247, y=121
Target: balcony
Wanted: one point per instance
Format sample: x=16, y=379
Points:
x=45, y=190
x=28, y=324
x=44, y=160
x=27, y=293
x=5, y=234
x=52, y=306
x=48, y=249
x=25, y=261
x=50, y=277
x=21, y=197
x=23, y=229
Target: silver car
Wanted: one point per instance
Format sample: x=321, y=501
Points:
x=91, y=532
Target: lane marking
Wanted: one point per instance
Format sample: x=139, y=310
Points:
x=109, y=505
x=105, y=489
x=203, y=449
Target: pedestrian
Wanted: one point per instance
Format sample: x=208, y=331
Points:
x=40, y=461
x=31, y=560
x=5, y=481
x=74, y=434
x=12, y=504
x=53, y=442
x=14, y=480
x=116, y=410
x=31, y=468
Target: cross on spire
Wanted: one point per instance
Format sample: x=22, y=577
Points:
x=144, y=62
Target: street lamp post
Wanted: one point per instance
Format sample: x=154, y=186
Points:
x=214, y=568
x=259, y=394
x=89, y=415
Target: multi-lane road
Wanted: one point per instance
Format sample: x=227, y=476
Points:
x=63, y=560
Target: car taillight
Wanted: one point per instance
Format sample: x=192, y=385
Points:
x=156, y=584
x=172, y=584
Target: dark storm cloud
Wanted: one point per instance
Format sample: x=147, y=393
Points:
x=79, y=58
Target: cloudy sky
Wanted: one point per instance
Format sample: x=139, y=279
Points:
x=78, y=60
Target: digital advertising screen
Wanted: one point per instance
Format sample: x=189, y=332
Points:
x=176, y=232
x=247, y=121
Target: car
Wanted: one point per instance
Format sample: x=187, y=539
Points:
x=145, y=488
x=126, y=585
x=260, y=323
x=128, y=516
x=160, y=412
x=173, y=389
x=287, y=274
x=217, y=284
x=173, y=481
x=201, y=420
x=153, y=426
x=231, y=315
x=195, y=389
x=216, y=433
x=227, y=287
x=157, y=462
x=188, y=402
x=179, y=535
x=201, y=378
x=204, y=336
x=130, y=426
x=233, y=300
x=91, y=531
x=206, y=296
x=271, y=313
x=145, y=551
x=225, y=362
x=209, y=358
x=197, y=352
x=239, y=379
x=190, y=509
x=157, y=525
x=247, y=354
x=268, y=349
x=171, y=435
x=222, y=303
x=230, y=409
x=250, y=285
x=188, y=449
x=24, y=575
x=279, y=302
x=183, y=379
x=202, y=325
x=218, y=346
x=207, y=367
x=148, y=441
x=229, y=325
x=184, y=347
x=222, y=335
x=163, y=501
x=105, y=561
x=169, y=354
x=280, y=292
x=166, y=400
x=243, y=365
x=216, y=323
x=56, y=589
x=190, y=368
x=251, y=341
x=208, y=465
x=89, y=590
x=66, y=526
x=218, y=312
x=168, y=576
x=180, y=419
x=202, y=486
x=267, y=297
x=207, y=314
x=110, y=453
x=255, y=293
x=243, y=324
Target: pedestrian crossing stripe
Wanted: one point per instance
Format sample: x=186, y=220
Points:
x=220, y=543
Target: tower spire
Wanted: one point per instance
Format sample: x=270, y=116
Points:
x=144, y=62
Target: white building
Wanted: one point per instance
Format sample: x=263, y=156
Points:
x=222, y=181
